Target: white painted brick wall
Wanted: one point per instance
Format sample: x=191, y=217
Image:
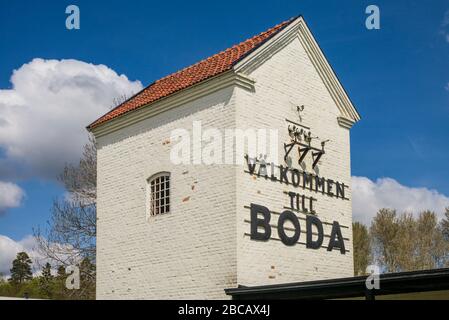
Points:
x=286, y=80
x=188, y=253
x=199, y=248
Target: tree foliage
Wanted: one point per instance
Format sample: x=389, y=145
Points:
x=445, y=225
x=362, y=248
x=405, y=243
x=21, y=269
x=46, y=281
x=46, y=285
x=383, y=232
x=71, y=231
x=70, y=235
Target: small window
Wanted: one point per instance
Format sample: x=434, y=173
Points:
x=159, y=193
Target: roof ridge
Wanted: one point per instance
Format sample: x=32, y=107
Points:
x=223, y=51
x=195, y=73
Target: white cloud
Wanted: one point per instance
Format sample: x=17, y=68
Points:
x=11, y=196
x=9, y=249
x=29, y=244
x=369, y=196
x=44, y=115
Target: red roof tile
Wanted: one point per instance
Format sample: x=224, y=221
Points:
x=189, y=76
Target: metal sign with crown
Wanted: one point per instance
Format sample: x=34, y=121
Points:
x=301, y=136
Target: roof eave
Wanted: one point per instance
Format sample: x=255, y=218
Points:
x=196, y=91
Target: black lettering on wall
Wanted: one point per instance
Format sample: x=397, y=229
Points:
x=257, y=222
x=340, y=190
x=283, y=174
x=304, y=208
x=307, y=179
x=297, y=201
x=330, y=184
x=273, y=176
x=295, y=177
x=314, y=221
x=262, y=170
x=336, y=239
x=288, y=215
x=320, y=184
x=293, y=197
x=311, y=200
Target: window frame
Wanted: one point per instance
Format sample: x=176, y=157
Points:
x=154, y=206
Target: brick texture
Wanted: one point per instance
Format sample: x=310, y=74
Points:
x=289, y=79
x=188, y=253
x=200, y=248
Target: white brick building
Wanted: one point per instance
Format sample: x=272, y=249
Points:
x=200, y=242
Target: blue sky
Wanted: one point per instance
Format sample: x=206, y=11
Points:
x=396, y=76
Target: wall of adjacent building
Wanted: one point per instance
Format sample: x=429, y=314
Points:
x=188, y=253
x=284, y=81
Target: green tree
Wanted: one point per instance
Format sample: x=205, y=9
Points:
x=59, y=289
x=383, y=231
x=430, y=244
x=405, y=243
x=87, y=281
x=46, y=272
x=445, y=225
x=61, y=272
x=21, y=269
x=362, y=248
x=7, y=289
x=46, y=281
x=30, y=289
x=70, y=235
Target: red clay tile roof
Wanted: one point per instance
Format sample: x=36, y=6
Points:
x=189, y=76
